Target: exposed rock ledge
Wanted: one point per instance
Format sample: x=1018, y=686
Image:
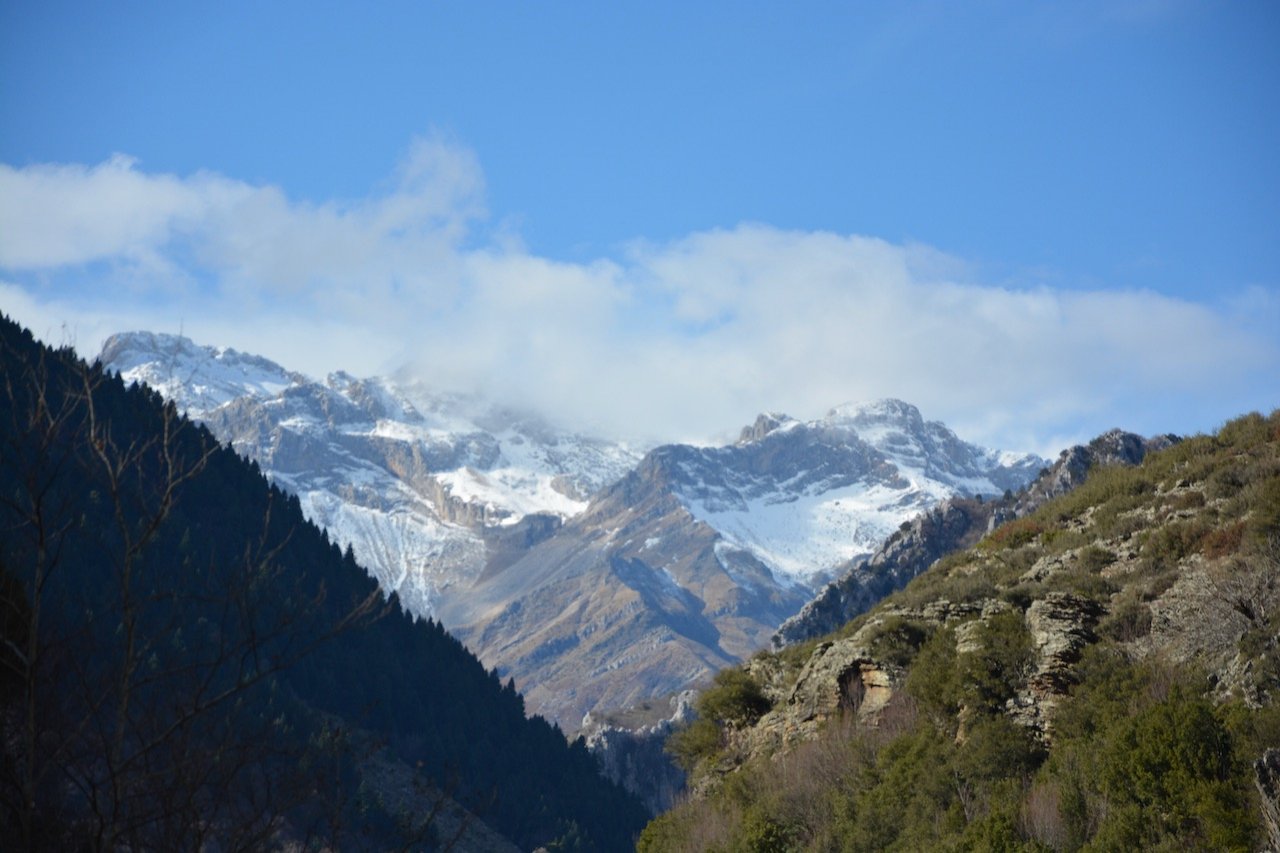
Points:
x=842, y=676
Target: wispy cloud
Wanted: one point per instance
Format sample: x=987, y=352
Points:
x=684, y=339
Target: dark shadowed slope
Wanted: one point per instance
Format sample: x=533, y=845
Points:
x=187, y=662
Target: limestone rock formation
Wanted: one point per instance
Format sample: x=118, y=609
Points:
x=635, y=756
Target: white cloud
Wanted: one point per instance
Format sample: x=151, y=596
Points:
x=686, y=339
x=56, y=215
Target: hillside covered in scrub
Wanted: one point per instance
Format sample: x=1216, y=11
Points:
x=1100, y=674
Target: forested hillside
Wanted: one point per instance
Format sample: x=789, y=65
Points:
x=188, y=664
x=1101, y=674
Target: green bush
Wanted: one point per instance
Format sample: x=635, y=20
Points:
x=995, y=748
x=700, y=739
x=998, y=668
x=1223, y=541
x=1012, y=534
x=664, y=834
x=1167, y=773
x=1085, y=583
x=735, y=699
x=1143, y=761
x=898, y=640
x=1264, y=516
x=1094, y=559
x=1129, y=621
x=1185, y=500
x=934, y=679
x=952, y=578
x=763, y=833
x=1170, y=544
x=1022, y=594
x=910, y=798
x=1108, y=491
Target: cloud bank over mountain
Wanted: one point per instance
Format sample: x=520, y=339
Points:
x=675, y=340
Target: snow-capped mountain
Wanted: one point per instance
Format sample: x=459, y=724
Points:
x=595, y=577
x=805, y=497
x=197, y=379
x=418, y=484
x=694, y=558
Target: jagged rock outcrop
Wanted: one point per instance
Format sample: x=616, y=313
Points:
x=954, y=524
x=841, y=675
x=764, y=424
x=636, y=758
x=1115, y=447
x=1061, y=626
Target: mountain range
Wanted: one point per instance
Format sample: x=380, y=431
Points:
x=595, y=573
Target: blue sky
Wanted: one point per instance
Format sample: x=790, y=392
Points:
x=1034, y=220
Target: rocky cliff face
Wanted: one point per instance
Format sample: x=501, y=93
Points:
x=1267, y=775
x=635, y=756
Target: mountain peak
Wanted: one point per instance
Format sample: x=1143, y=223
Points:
x=128, y=349
x=198, y=378
x=765, y=423
x=887, y=411
x=803, y=497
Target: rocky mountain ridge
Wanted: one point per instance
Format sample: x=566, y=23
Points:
x=806, y=496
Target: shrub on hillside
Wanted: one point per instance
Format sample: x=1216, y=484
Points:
x=898, y=640
x=735, y=698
